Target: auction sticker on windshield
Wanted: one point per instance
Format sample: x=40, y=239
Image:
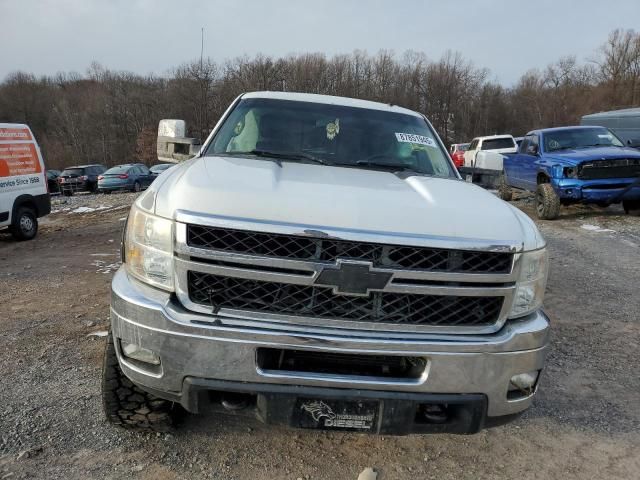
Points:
x=418, y=139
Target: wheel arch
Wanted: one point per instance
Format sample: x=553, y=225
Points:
x=542, y=177
x=24, y=200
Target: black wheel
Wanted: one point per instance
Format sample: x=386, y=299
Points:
x=137, y=187
x=94, y=188
x=631, y=207
x=25, y=224
x=106, y=192
x=504, y=191
x=547, y=202
x=67, y=193
x=127, y=405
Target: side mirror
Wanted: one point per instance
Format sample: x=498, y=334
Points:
x=633, y=143
x=532, y=150
x=173, y=146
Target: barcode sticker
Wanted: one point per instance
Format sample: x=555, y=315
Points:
x=418, y=139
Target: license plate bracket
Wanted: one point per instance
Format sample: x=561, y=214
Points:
x=336, y=414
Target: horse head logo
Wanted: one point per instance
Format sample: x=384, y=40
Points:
x=318, y=410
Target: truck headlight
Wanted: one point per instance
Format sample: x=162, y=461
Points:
x=149, y=248
x=531, y=283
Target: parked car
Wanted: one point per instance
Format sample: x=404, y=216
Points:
x=23, y=184
x=624, y=123
x=574, y=165
x=130, y=176
x=52, y=181
x=81, y=178
x=321, y=263
x=457, y=153
x=161, y=167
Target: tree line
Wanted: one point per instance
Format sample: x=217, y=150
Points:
x=111, y=117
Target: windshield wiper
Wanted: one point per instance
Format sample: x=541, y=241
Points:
x=394, y=167
x=291, y=156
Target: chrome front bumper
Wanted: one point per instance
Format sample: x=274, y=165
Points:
x=192, y=346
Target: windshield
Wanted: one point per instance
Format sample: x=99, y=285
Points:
x=498, y=143
x=580, y=138
x=331, y=134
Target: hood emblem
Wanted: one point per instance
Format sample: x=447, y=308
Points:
x=350, y=277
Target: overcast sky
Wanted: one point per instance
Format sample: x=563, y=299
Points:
x=507, y=36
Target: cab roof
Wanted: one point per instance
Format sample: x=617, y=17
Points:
x=491, y=137
x=560, y=129
x=331, y=100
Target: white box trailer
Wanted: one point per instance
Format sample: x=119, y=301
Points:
x=624, y=123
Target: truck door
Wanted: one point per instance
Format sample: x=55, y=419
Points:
x=470, y=154
x=513, y=165
x=528, y=164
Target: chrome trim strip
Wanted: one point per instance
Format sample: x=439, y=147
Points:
x=183, y=266
x=391, y=238
x=346, y=379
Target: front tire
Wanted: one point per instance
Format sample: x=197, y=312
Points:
x=631, y=207
x=127, y=405
x=547, y=202
x=25, y=224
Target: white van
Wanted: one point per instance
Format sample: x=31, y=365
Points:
x=24, y=196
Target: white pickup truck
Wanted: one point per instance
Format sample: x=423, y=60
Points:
x=484, y=159
x=320, y=264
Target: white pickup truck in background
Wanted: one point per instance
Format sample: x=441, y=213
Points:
x=484, y=158
x=486, y=152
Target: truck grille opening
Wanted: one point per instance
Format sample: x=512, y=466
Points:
x=329, y=250
x=328, y=363
x=220, y=292
x=616, y=168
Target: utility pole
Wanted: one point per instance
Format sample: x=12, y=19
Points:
x=203, y=92
x=201, y=46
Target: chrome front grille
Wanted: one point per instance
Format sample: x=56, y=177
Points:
x=295, y=277
x=329, y=250
x=218, y=292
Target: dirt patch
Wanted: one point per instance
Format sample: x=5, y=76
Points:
x=54, y=291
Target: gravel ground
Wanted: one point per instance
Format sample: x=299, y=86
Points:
x=54, y=295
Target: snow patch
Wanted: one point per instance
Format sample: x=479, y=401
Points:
x=89, y=209
x=104, y=267
x=596, y=228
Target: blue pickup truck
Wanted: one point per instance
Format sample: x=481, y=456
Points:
x=573, y=165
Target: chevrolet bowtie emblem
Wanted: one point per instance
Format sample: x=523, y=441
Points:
x=349, y=277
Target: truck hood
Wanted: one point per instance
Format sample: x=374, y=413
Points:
x=338, y=198
x=574, y=157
